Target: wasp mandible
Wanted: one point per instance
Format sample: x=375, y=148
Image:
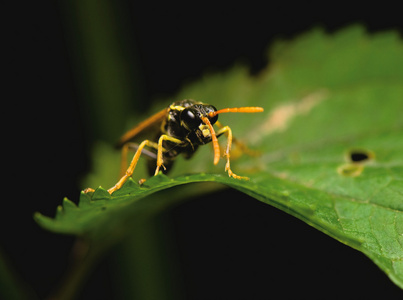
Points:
x=183, y=127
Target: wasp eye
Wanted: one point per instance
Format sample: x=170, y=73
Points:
x=214, y=119
x=190, y=118
x=211, y=108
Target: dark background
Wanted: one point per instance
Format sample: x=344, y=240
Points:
x=251, y=251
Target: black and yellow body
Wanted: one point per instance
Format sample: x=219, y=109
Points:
x=183, y=122
x=183, y=127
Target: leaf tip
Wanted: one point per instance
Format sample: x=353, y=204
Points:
x=37, y=216
x=42, y=220
x=68, y=204
x=158, y=179
x=101, y=194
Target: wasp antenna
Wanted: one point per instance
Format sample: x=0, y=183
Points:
x=252, y=109
x=213, y=139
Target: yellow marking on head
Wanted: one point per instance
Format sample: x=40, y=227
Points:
x=205, y=130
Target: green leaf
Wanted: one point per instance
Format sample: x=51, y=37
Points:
x=331, y=139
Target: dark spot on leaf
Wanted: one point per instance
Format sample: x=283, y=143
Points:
x=103, y=208
x=356, y=159
x=360, y=156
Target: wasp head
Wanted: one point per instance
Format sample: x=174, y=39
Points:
x=195, y=118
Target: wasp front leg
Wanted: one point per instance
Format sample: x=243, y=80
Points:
x=140, y=149
x=160, y=161
x=129, y=171
x=227, y=154
x=133, y=163
x=134, y=147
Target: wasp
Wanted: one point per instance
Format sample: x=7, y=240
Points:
x=183, y=127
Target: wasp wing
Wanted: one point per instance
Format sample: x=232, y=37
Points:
x=144, y=125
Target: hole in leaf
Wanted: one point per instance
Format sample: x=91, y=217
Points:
x=360, y=156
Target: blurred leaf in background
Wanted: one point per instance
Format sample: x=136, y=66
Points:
x=106, y=68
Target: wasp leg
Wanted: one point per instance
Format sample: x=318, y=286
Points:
x=160, y=160
x=133, y=147
x=228, y=132
x=133, y=163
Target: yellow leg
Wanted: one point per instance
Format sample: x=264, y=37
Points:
x=133, y=163
x=227, y=153
x=160, y=161
x=134, y=147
